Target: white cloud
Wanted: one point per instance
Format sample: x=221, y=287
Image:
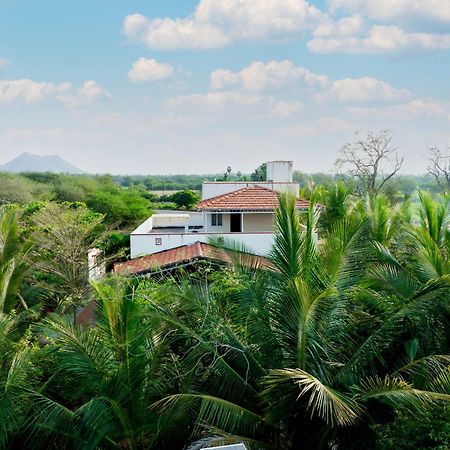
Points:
x=213, y=101
x=86, y=94
x=170, y=34
x=287, y=109
x=379, y=39
x=259, y=76
x=234, y=104
x=217, y=23
x=362, y=90
x=347, y=26
x=149, y=70
x=29, y=90
x=406, y=112
x=438, y=10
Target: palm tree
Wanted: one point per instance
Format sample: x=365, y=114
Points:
x=13, y=262
x=102, y=379
x=307, y=354
x=430, y=240
x=17, y=379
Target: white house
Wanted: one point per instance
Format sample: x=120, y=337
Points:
x=236, y=211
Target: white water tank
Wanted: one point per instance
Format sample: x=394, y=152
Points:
x=279, y=171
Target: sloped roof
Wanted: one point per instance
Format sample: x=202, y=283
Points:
x=185, y=254
x=248, y=198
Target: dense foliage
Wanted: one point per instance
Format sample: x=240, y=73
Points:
x=342, y=343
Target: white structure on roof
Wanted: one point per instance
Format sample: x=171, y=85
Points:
x=279, y=171
x=239, y=212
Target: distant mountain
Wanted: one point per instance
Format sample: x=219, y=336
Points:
x=27, y=162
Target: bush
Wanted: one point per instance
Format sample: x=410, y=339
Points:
x=187, y=199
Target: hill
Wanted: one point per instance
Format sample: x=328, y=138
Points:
x=28, y=162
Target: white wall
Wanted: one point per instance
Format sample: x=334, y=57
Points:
x=144, y=244
x=145, y=227
x=254, y=222
x=279, y=171
x=170, y=220
x=225, y=228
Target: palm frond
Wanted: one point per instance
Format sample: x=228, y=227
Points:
x=217, y=412
x=332, y=406
x=395, y=392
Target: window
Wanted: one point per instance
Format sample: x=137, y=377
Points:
x=158, y=241
x=216, y=220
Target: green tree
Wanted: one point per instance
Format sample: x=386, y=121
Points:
x=120, y=368
x=14, y=189
x=63, y=234
x=260, y=173
x=121, y=207
x=185, y=199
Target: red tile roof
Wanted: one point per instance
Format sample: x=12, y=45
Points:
x=186, y=254
x=248, y=198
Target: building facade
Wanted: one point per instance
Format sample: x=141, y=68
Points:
x=237, y=213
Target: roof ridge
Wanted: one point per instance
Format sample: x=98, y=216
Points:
x=227, y=195
x=160, y=251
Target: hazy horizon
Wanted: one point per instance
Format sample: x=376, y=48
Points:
x=208, y=174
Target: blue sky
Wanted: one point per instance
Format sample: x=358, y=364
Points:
x=181, y=86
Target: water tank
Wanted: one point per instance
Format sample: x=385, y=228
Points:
x=279, y=171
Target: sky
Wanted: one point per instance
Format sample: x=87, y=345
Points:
x=183, y=86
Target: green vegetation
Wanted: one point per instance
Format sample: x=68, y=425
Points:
x=185, y=199
x=344, y=344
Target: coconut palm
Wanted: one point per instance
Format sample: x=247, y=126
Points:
x=17, y=379
x=13, y=262
x=429, y=242
x=102, y=379
x=307, y=354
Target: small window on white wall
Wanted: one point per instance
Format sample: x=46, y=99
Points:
x=158, y=241
x=216, y=220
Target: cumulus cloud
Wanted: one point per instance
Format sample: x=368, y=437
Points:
x=149, y=70
x=438, y=10
x=29, y=90
x=287, y=109
x=86, y=94
x=217, y=23
x=259, y=76
x=213, y=101
x=228, y=102
x=415, y=109
x=379, y=39
x=346, y=26
x=363, y=90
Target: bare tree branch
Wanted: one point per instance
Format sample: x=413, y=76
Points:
x=439, y=167
x=371, y=160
